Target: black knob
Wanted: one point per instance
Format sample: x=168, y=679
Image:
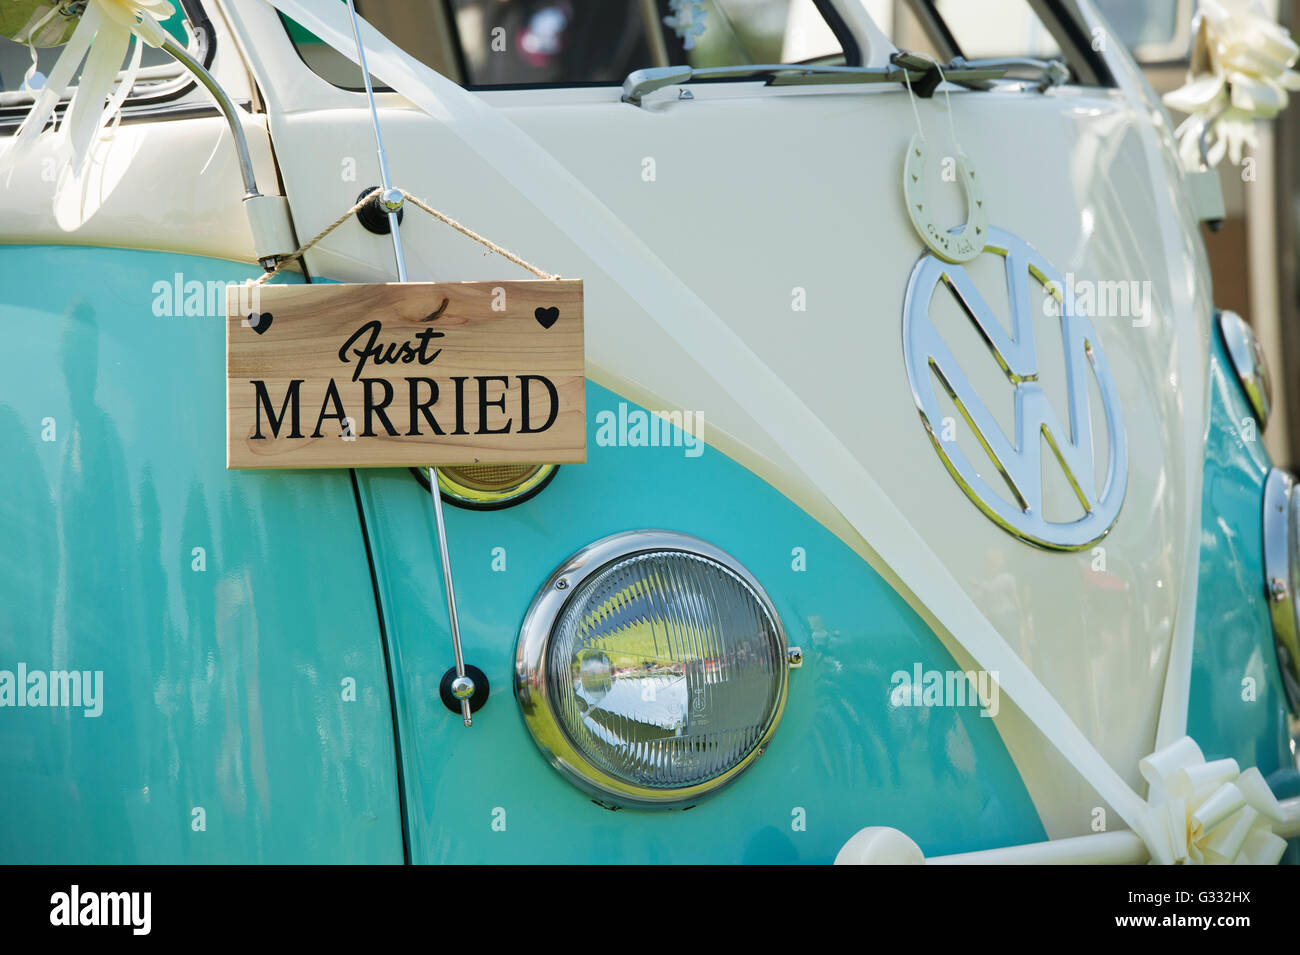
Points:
x=476, y=699
x=373, y=217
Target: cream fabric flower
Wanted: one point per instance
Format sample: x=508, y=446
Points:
x=1208, y=813
x=128, y=12
x=102, y=39
x=1240, y=72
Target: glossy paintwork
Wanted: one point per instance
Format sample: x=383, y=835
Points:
x=1098, y=195
x=223, y=688
x=810, y=279
x=842, y=758
x=1234, y=640
x=126, y=481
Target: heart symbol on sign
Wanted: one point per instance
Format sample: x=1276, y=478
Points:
x=259, y=323
x=546, y=317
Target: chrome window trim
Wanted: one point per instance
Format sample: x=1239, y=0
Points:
x=1248, y=361
x=1281, y=525
x=531, y=676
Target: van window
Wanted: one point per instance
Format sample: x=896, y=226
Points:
x=487, y=44
x=996, y=29
x=1157, y=31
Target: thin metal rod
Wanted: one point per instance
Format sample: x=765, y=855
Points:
x=394, y=231
x=227, y=109
x=379, y=143
x=451, y=593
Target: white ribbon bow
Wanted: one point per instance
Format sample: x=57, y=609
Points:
x=101, y=39
x=1208, y=813
x=1239, y=72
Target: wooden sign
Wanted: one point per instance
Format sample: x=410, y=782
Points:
x=418, y=374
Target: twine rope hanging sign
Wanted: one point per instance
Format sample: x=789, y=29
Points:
x=405, y=374
x=960, y=245
x=367, y=198
x=421, y=374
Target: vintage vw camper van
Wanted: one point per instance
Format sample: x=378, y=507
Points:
x=914, y=504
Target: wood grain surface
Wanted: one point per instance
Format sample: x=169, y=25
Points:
x=321, y=376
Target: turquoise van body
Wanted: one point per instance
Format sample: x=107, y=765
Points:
x=270, y=644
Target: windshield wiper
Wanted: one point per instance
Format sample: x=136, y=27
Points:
x=905, y=67
x=1050, y=73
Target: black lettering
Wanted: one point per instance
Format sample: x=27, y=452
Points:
x=275, y=421
x=484, y=404
x=524, y=381
x=331, y=396
x=460, y=405
x=425, y=337
x=422, y=407
x=369, y=351
x=391, y=353
x=377, y=409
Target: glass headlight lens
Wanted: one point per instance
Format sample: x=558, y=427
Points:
x=1282, y=575
x=652, y=668
x=489, y=486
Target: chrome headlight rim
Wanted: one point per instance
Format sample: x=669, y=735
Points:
x=1282, y=575
x=532, y=686
x=1247, y=357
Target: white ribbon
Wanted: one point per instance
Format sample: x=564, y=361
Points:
x=1208, y=813
x=32, y=33
x=101, y=39
x=1239, y=72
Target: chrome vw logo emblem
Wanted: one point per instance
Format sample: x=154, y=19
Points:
x=1016, y=504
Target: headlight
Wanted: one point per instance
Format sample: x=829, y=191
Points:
x=651, y=668
x=485, y=487
x=1248, y=361
x=1282, y=575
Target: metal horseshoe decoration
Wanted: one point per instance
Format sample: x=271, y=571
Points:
x=954, y=246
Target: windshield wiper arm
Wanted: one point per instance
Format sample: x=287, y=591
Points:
x=906, y=68
x=1053, y=72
